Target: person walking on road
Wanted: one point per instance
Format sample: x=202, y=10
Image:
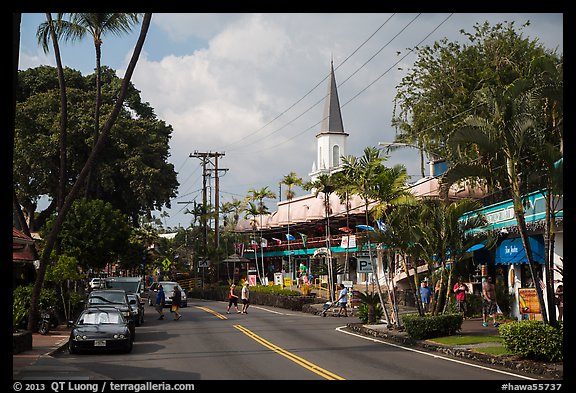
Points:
x=343, y=300
x=232, y=300
x=245, y=298
x=489, y=306
x=176, y=300
x=160, y=300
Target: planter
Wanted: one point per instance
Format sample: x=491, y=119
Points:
x=21, y=341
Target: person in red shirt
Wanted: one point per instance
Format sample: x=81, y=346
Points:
x=460, y=290
x=232, y=300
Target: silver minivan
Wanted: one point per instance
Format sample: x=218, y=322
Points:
x=168, y=287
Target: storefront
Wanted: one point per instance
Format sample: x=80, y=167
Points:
x=512, y=271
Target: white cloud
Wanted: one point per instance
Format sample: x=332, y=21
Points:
x=251, y=85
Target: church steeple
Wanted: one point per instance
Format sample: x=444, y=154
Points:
x=331, y=140
x=332, y=119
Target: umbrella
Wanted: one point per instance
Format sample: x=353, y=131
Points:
x=365, y=227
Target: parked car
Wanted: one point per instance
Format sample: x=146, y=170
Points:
x=137, y=308
x=101, y=328
x=96, y=283
x=168, y=290
x=115, y=298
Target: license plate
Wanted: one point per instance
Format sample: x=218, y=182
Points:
x=100, y=343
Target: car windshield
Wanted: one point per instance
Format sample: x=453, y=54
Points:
x=169, y=288
x=100, y=317
x=107, y=298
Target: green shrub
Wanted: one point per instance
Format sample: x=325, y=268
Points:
x=534, y=339
x=364, y=313
x=429, y=326
x=21, y=304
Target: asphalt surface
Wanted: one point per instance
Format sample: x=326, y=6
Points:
x=38, y=363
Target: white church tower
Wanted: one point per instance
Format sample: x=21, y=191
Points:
x=331, y=141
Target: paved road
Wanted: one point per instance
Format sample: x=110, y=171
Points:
x=266, y=344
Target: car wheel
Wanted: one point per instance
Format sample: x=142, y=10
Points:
x=71, y=348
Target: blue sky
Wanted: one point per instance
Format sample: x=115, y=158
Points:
x=251, y=85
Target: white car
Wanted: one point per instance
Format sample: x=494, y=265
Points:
x=168, y=287
x=96, y=283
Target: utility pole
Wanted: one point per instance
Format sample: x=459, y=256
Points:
x=205, y=157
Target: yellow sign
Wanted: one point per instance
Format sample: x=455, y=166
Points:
x=287, y=281
x=166, y=264
x=528, y=303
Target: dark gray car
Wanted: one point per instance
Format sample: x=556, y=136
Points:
x=116, y=298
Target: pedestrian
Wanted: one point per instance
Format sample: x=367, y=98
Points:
x=559, y=299
x=245, y=297
x=176, y=299
x=232, y=299
x=160, y=300
x=489, y=306
x=460, y=290
x=343, y=300
x=425, y=294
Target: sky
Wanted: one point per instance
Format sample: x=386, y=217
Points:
x=251, y=86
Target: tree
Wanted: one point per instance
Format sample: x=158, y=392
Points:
x=500, y=138
x=135, y=175
x=96, y=25
x=71, y=196
x=325, y=184
x=290, y=180
x=446, y=236
x=260, y=195
x=47, y=32
x=94, y=233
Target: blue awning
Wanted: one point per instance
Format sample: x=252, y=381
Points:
x=476, y=247
x=511, y=251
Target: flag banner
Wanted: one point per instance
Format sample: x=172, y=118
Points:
x=381, y=225
x=278, y=241
x=290, y=237
x=254, y=244
x=263, y=242
x=239, y=249
x=304, y=239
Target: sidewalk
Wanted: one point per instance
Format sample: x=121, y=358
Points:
x=470, y=327
x=37, y=363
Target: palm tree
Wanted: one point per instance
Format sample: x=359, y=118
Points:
x=260, y=195
x=446, y=236
x=325, y=184
x=96, y=25
x=500, y=143
x=47, y=32
x=366, y=173
x=90, y=162
x=290, y=180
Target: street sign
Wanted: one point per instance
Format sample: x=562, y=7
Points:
x=203, y=263
x=166, y=264
x=364, y=266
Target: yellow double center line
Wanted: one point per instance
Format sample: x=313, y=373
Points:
x=296, y=359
